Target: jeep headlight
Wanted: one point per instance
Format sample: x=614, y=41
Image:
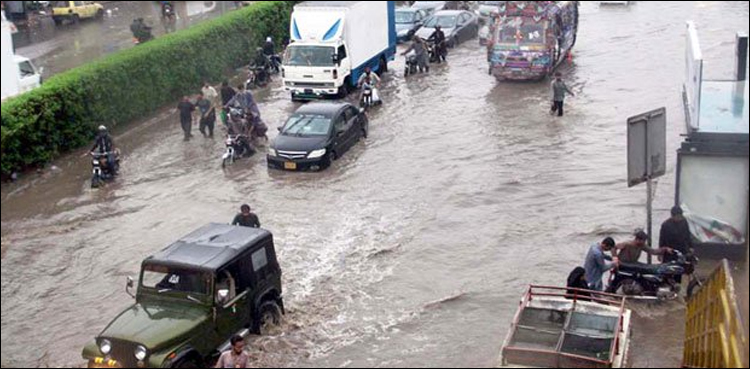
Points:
x=105, y=347
x=316, y=154
x=140, y=353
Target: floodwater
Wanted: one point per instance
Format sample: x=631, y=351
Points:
x=414, y=249
x=57, y=48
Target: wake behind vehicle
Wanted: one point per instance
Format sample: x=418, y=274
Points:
x=332, y=42
x=564, y=328
x=458, y=25
x=194, y=295
x=529, y=40
x=657, y=280
x=316, y=135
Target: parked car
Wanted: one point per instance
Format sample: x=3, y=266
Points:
x=316, y=135
x=74, y=11
x=192, y=297
x=429, y=7
x=487, y=9
x=458, y=26
x=408, y=22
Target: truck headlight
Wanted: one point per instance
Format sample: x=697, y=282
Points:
x=316, y=154
x=140, y=353
x=272, y=152
x=105, y=347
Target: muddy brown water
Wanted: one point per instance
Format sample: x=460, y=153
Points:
x=414, y=249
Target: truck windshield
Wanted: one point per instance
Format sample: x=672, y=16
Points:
x=405, y=17
x=307, y=125
x=309, y=56
x=167, y=279
x=522, y=31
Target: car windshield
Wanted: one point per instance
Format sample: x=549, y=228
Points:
x=60, y=4
x=405, y=17
x=307, y=125
x=522, y=31
x=167, y=279
x=444, y=21
x=490, y=3
x=309, y=56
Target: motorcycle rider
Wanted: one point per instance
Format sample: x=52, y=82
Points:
x=244, y=100
x=368, y=80
x=141, y=32
x=168, y=17
x=269, y=50
x=104, y=145
x=438, y=37
x=630, y=252
x=420, y=50
x=262, y=66
x=597, y=263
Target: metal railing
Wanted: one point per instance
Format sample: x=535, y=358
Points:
x=714, y=331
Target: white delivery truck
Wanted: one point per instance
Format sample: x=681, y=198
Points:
x=18, y=73
x=333, y=41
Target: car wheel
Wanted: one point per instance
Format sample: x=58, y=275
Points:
x=100, y=14
x=344, y=89
x=452, y=43
x=270, y=317
x=58, y=21
x=76, y=19
x=364, y=132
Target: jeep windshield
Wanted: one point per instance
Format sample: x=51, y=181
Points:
x=309, y=56
x=162, y=279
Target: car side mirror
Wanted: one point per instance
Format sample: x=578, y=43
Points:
x=223, y=297
x=129, y=284
x=280, y=129
x=335, y=58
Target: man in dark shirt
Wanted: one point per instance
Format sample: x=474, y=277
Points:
x=227, y=93
x=675, y=234
x=186, y=109
x=245, y=218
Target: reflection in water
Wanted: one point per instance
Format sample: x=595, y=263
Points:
x=414, y=248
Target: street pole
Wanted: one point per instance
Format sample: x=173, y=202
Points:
x=649, y=214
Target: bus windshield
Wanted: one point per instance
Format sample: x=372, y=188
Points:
x=522, y=31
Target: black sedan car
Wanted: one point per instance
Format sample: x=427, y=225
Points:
x=458, y=26
x=408, y=21
x=316, y=135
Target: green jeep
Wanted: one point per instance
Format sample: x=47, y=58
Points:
x=192, y=297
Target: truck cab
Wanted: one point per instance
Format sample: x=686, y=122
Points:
x=192, y=297
x=332, y=42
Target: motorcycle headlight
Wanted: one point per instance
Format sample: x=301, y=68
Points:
x=271, y=152
x=105, y=347
x=316, y=154
x=140, y=353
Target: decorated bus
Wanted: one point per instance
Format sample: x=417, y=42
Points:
x=530, y=39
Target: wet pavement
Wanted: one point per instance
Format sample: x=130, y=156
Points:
x=415, y=247
x=62, y=47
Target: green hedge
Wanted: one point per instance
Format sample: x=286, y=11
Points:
x=62, y=114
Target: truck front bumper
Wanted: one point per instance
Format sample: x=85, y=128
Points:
x=309, y=92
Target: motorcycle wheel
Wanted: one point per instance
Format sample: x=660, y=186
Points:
x=96, y=181
x=629, y=287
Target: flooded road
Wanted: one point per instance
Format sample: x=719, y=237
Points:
x=57, y=48
x=414, y=249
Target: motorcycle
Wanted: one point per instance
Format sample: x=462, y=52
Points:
x=412, y=65
x=437, y=51
x=237, y=146
x=274, y=63
x=259, y=77
x=101, y=170
x=659, y=281
x=369, y=97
